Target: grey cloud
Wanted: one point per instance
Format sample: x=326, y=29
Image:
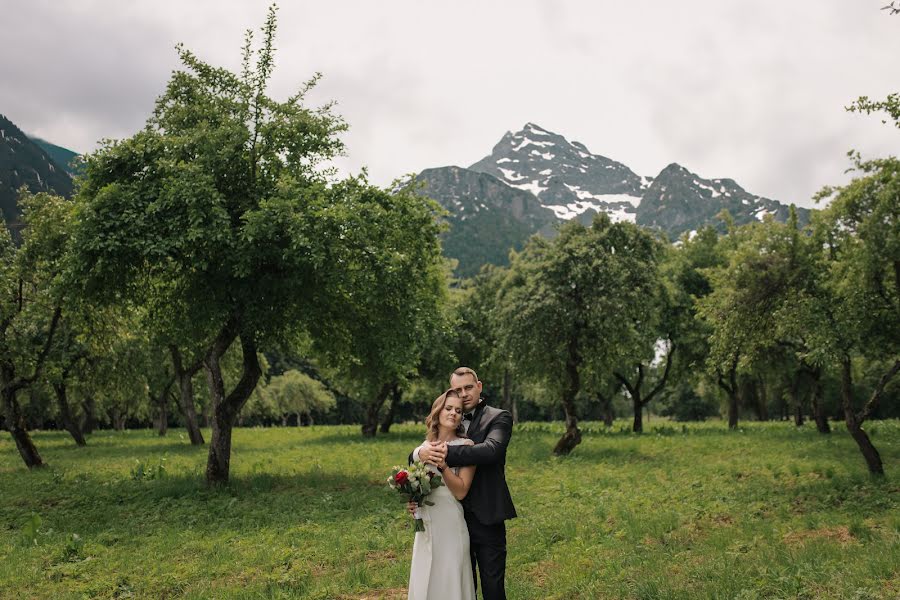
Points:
x=753, y=91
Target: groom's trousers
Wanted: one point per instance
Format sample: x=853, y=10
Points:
x=487, y=545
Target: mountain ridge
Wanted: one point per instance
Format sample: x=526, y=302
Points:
x=566, y=178
x=24, y=162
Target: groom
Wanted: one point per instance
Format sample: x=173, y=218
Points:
x=488, y=503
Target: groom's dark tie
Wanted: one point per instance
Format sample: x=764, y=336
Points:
x=467, y=416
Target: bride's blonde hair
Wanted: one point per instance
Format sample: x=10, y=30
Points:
x=433, y=421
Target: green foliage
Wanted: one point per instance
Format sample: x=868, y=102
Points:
x=475, y=337
x=220, y=219
x=31, y=529
x=145, y=471
x=213, y=208
x=771, y=271
x=685, y=404
x=73, y=548
x=296, y=393
x=890, y=105
x=390, y=281
x=586, y=298
x=860, y=230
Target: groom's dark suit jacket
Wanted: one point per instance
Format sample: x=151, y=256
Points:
x=488, y=498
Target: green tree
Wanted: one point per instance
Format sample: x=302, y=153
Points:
x=476, y=341
x=294, y=393
x=393, y=286
x=731, y=335
x=765, y=298
x=687, y=267
x=569, y=306
x=222, y=201
x=859, y=316
x=659, y=322
x=30, y=308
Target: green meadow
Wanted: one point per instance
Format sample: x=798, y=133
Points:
x=695, y=511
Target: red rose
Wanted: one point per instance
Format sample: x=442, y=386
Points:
x=401, y=477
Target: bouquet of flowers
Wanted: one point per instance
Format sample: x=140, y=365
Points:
x=416, y=482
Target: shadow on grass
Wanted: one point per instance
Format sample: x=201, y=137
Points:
x=183, y=501
x=413, y=437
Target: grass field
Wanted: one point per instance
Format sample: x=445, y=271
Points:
x=769, y=511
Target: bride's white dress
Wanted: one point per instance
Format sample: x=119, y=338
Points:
x=441, y=565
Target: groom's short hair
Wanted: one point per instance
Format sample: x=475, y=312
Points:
x=465, y=371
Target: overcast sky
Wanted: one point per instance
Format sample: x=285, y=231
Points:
x=752, y=90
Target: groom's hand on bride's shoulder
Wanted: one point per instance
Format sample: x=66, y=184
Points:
x=433, y=452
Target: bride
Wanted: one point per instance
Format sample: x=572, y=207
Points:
x=441, y=565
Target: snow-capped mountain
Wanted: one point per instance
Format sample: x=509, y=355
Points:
x=535, y=177
x=487, y=217
x=23, y=162
x=565, y=176
x=679, y=201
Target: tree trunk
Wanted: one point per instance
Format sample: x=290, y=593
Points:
x=762, y=400
x=65, y=413
x=10, y=385
x=796, y=400
x=396, y=397
x=118, y=420
x=15, y=422
x=606, y=409
x=733, y=409
x=89, y=408
x=163, y=428
x=637, y=425
x=218, y=464
x=186, y=389
x=509, y=402
x=854, y=425
x=370, y=425
x=639, y=401
x=572, y=436
x=226, y=408
x=731, y=388
x=818, y=404
x=163, y=404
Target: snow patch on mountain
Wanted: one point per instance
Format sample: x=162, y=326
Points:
x=534, y=187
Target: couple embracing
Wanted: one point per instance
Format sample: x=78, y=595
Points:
x=465, y=529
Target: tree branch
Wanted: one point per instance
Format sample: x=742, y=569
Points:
x=249, y=377
x=872, y=404
x=662, y=382
x=624, y=382
x=24, y=382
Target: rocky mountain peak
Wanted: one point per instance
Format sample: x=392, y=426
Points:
x=679, y=200
x=565, y=176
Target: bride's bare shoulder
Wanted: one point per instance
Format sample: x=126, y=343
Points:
x=467, y=442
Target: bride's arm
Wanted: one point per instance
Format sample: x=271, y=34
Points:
x=458, y=484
